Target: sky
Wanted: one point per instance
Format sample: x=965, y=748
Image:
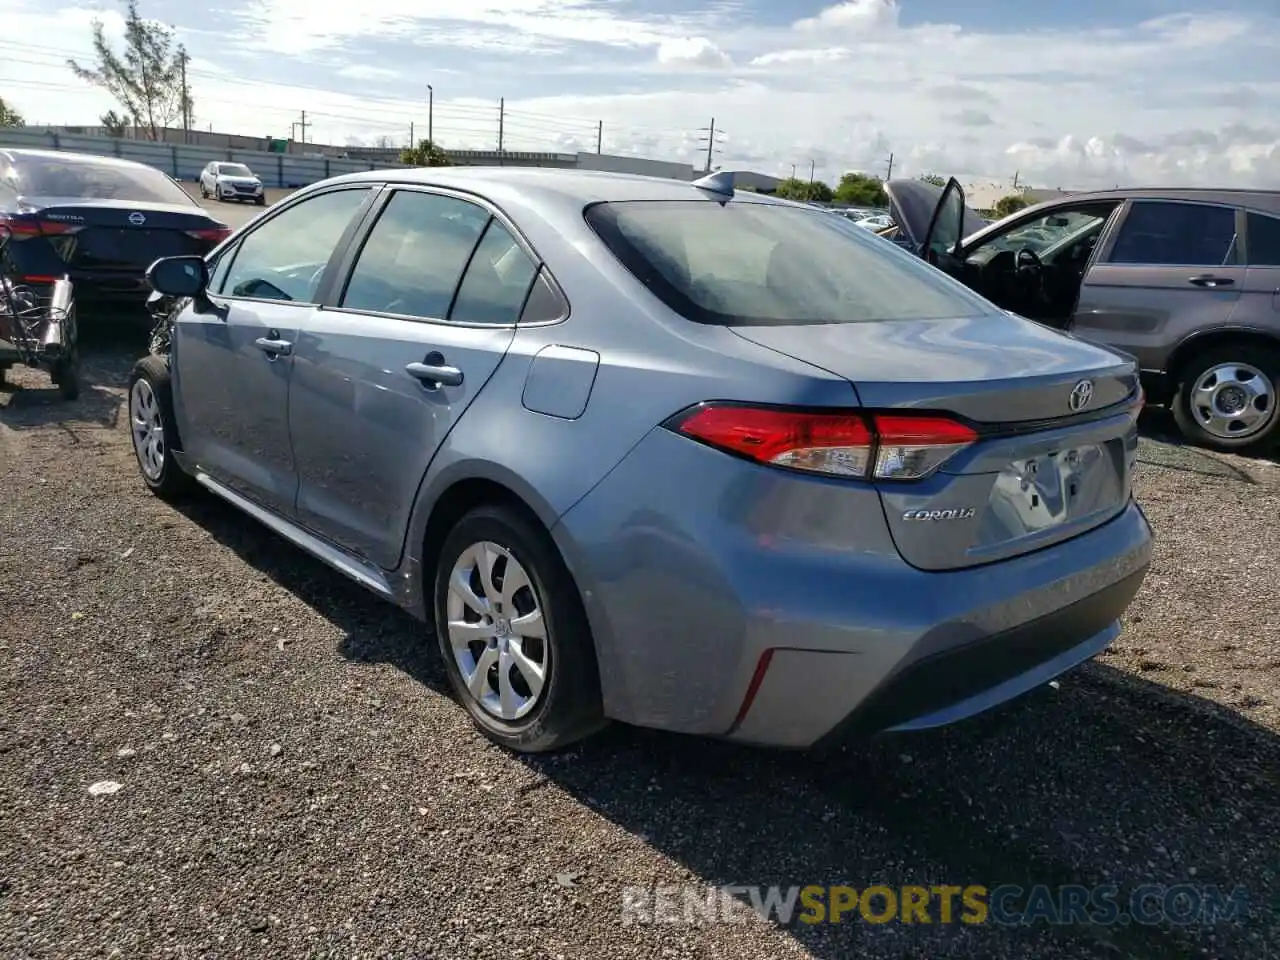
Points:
x=1077, y=94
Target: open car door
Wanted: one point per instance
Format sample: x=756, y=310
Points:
x=932, y=221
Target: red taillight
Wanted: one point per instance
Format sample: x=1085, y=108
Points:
x=865, y=446
x=212, y=234
x=21, y=228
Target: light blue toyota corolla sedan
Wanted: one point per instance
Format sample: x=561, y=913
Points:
x=655, y=451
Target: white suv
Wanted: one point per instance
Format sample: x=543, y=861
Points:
x=231, y=181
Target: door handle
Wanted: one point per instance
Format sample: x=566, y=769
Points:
x=1208, y=280
x=273, y=347
x=435, y=375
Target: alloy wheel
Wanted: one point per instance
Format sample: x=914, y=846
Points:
x=497, y=632
x=147, y=429
x=1232, y=401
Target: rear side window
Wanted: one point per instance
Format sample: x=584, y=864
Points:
x=84, y=178
x=1177, y=234
x=1264, y=240
x=497, y=280
x=743, y=263
x=415, y=255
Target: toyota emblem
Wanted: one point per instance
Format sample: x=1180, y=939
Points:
x=1080, y=396
x=137, y=219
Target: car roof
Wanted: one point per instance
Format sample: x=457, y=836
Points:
x=580, y=187
x=1265, y=199
x=66, y=156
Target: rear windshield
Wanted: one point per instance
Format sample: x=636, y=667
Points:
x=234, y=170
x=85, y=179
x=745, y=263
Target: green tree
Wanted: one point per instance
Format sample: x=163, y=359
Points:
x=1011, y=204
x=146, y=78
x=933, y=178
x=793, y=188
x=861, y=190
x=114, y=124
x=425, y=154
x=10, y=117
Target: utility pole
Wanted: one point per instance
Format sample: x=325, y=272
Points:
x=889, y=175
x=186, y=95
x=502, y=116
x=793, y=171
x=411, y=143
x=812, y=166
x=431, y=112
x=302, y=125
x=599, y=137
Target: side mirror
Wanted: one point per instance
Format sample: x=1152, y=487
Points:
x=179, y=276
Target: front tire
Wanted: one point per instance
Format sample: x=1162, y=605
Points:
x=1227, y=398
x=154, y=430
x=260, y=201
x=513, y=634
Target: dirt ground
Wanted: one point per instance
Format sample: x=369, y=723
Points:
x=294, y=780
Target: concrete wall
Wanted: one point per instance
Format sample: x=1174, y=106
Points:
x=636, y=165
x=185, y=161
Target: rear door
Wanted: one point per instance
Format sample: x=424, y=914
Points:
x=382, y=373
x=1169, y=269
x=1259, y=304
x=233, y=364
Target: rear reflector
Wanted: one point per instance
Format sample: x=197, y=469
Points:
x=863, y=446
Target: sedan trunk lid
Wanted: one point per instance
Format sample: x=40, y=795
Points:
x=1055, y=423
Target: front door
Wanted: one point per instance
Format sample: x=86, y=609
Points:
x=383, y=374
x=1170, y=269
x=235, y=361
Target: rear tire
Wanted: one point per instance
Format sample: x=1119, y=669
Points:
x=66, y=376
x=495, y=634
x=1230, y=379
x=153, y=429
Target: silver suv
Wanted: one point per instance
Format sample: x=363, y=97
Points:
x=1187, y=281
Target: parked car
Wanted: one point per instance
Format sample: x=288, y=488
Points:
x=1184, y=280
x=878, y=222
x=99, y=220
x=655, y=451
x=231, y=181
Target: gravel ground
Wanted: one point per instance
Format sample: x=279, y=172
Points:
x=295, y=782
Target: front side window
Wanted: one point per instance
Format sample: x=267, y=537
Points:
x=1052, y=231
x=415, y=254
x=1176, y=234
x=743, y=263
x=285, y=258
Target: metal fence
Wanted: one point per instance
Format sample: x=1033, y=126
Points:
x=184, y=162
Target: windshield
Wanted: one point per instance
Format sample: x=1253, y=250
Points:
x=234, y=170
x=756, y=263
x=92, y=180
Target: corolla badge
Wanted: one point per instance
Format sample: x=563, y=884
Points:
x=953, y=513
x=1080, y=395
x=137, y=219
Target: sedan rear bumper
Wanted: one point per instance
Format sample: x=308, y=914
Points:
x=774, y=609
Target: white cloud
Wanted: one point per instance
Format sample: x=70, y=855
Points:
x=693, y=51
x=1184, y=98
